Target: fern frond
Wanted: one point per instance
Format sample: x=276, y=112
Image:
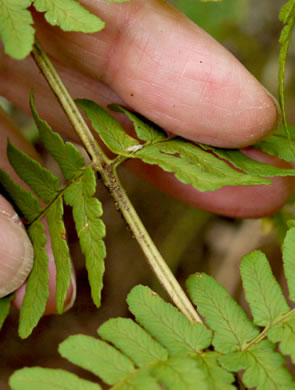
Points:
x=87, y=211
x=232, y=328
x=191, y=163
x=263, y=292
x=37, y=291
x=169, y=352
x=4, y=308
x=38, y=378
x=16, y=22
x=287, y=17
x=164, y=322
x=81, y=182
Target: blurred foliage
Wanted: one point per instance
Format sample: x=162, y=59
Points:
x=215, y=18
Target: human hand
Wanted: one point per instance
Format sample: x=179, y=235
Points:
x=156, y=61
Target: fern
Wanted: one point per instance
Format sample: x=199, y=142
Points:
x=190, y=163
x=287, y=17
x=78, y=192
x=162, y=348
x=16, y=21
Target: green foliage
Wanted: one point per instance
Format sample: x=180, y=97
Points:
x=287, y=17
x=40, y=179
x=69, y=15
x=215, y=17
x=162, y=348
x=24, y=200
x=87, y=211
x=110, y=130
x=164, y=322
x=37, y=291
x=191, y=163
x=16, y=29
x=231, y=326
x=4, y=308
x=66, y=154
x=60, y=250
x=145, y=131
x=278, y=144
x=263, y=292
x=78, y=191
x=49, y=379
x=16, y=21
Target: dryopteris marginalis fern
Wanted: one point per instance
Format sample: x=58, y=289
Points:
x=78, y=192
x=287, y=17
x=191, y=163
x=162, y=348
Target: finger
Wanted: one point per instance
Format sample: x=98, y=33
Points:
x=169, y=70
x=16, y=252
x=238, y=201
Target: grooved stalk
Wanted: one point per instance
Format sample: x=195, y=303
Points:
x=105, y=167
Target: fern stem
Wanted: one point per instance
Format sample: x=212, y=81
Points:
x=154, y=258
x=67, y=103
x=106, y=168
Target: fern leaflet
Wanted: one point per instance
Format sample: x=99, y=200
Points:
x=80, y=181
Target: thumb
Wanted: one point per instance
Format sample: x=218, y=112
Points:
x=16, y=251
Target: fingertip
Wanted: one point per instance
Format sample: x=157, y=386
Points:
x=16, y=251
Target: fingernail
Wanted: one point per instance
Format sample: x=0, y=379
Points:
x=16, y=254
x=73, y=293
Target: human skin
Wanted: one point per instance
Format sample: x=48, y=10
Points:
x=151, y=58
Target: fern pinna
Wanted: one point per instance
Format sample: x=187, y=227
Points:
x=162, y=349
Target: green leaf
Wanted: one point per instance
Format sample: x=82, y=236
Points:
x=284, y=332
x=37, y=378
x=263, y=367
x=87, y=211
x=40, y=179
x=288, y=249
x=61, y=252
x=263, y=292
x=69, y=15
x=287, y=17
x=66, y=154
x=97, y=357
x=219, y=20
x=131, y=339
x=278, y=144
x=145, y=131
x=194, y=166
x=231, y=326
x=16, y=31
x=110, y=130
x=216, y=378
x=179, y=373
x=4, y=308
x=248, y=165
x=166, y=324
x=141, y=380
x=26, y=202
x=37, y=291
